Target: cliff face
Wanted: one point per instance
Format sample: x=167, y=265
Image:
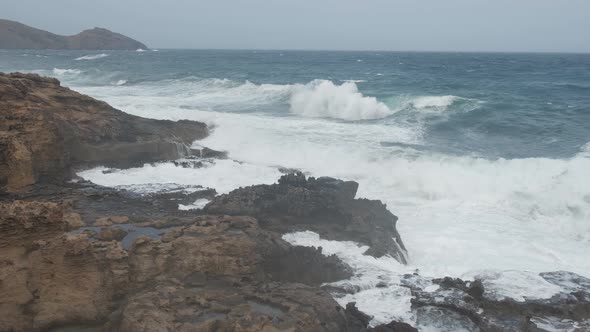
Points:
x=46, y=130
x=14, y=35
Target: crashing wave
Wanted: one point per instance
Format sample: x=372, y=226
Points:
x=316, y=99
x=324, y=99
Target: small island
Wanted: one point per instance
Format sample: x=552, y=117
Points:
x=15, y=35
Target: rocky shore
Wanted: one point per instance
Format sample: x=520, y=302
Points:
x=75, y=256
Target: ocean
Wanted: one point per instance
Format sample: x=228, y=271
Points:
x=484, y=157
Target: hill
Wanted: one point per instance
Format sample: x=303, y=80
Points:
x=15, y=35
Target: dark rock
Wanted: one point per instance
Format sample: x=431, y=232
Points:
x=490, y=314
x=306, y=265
x=188, y=163
x=475, y=289
x=324, y=205
x=341, y=289
x=205, y=152
x=381, y=284
x=394, y=327
x=353, y=311
x=285, y=170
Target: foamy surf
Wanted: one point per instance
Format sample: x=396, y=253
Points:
x=63, y=72
x=315, y=99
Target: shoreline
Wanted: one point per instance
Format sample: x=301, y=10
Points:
x=241, y=230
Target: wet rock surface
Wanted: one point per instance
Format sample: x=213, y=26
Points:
x=326, y=206
x=568, y=310
x=203, y=273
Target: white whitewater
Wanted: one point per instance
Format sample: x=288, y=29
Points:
x=92, y=57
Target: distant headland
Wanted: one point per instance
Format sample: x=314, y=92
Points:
x=15, y=35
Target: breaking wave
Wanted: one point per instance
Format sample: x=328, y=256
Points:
x=62, y=72
x=324, y=99
x=92, y=57
x=316, y=99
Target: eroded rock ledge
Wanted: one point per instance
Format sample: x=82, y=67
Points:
x=47, y=130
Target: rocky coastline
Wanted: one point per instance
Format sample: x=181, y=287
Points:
x=75, y=256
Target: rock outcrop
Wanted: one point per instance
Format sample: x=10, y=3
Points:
x=325, y=205
x=15, y=35
x=216, y=273
x=47, y=130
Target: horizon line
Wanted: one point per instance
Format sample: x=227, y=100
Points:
x=365, y=50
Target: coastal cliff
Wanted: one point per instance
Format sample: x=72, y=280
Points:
x=15, y=35
x=47, y=130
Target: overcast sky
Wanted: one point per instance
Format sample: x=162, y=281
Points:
x=419, y=25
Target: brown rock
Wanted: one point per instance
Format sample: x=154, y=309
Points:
x=48, y=277
x=74, y=221
x=110, y=220
x=47, y=130
x=112, y=234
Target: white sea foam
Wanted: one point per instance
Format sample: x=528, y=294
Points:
x=434, y=102
x=354, y=81
x=323, y=98
x=140, y=50
x=384, y=304
x=121, y=82
x=92, y=57
x=64, y=72
x=223, y=175
x=198, y=204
